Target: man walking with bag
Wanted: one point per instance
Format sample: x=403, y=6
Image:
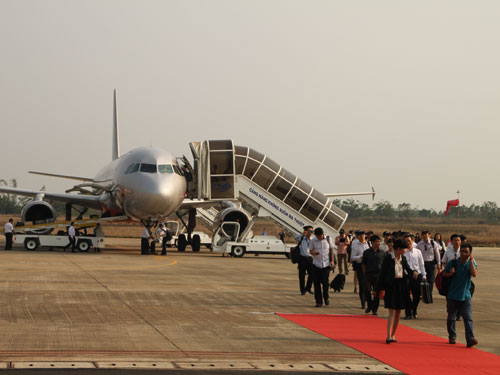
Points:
x=323, y=260
x=459, y=297
x=305, y=263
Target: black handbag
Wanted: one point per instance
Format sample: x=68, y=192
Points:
x=295, y=252
x=426, y=292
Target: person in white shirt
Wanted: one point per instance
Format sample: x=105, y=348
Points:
x=323, y=260
x=145, y=241
x=358, y=247
x=383, y=245
x=71, y=237
x=416, y=263
x=430, y=251
x=453, y=251
x=9, y=233
x=305, y=263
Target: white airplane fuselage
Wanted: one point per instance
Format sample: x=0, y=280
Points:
x=146, y=184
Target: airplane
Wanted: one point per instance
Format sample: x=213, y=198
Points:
x=145, y=184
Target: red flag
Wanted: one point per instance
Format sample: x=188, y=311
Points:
x=452, y=203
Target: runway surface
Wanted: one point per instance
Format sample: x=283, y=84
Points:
x=197, y=312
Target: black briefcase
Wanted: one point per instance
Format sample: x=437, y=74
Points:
x=426, y=292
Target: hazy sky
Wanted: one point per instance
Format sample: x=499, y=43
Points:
x=399, y=95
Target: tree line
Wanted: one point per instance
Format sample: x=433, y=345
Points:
x=487, y=211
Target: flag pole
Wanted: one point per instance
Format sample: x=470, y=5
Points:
x=458, y=212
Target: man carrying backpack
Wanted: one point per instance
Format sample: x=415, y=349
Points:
x=459, y=297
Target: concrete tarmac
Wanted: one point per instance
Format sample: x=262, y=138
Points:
x=190, y=313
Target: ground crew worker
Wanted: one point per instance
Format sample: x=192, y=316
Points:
x=9, y=232
x=71, y=237
x=145, y=241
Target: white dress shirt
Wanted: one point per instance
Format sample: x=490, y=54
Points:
x=430, y=251
x=416, y=261
x=322, y=260
x=450, y=254
x=8, y=228
x=357, y=250
x=145, y=233
x=71, y=231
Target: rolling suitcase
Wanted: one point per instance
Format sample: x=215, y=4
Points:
x=426, y=292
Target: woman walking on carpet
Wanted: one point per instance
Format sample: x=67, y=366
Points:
x=394, y=281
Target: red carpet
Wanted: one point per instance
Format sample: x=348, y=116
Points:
x=416, y=352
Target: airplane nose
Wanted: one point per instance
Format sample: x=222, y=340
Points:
x=156, y=195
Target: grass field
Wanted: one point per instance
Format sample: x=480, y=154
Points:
x=480, y=234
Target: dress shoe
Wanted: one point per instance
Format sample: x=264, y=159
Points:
x=368, y=310
x=452, y=341
x=374, y=313
x=319, y=305
x=388, y=341
x=309, y=291
x=414, y=316
x=407, y=317
x=471, y=343
x=327, y=302
x=459, y=318
x=303, y=293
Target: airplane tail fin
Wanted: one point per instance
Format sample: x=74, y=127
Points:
x=116, y=144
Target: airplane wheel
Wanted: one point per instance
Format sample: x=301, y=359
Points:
x=83, y=246
x=181, y=243
x=238, y=251
x=196, y=243
x=30, y=244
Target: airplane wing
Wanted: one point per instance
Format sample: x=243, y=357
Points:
x=62, y=176
x=91, y=201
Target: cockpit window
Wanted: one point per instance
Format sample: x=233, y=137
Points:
x=148, y=168
x=132, y=168
x=165, y=168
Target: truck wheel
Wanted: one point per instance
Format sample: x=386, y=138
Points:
x=83, y=245
x=181, y=243
x=238, y=251
x=31, y=244
x=196, y=243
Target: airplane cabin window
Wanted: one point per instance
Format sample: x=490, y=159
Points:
x=135, y=168
x=127, y=171
x=148, y=168
x=165, y=168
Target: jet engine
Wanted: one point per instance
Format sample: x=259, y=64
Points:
x=38, y=212
x=232, y=214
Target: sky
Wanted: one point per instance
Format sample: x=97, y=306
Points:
x=399, y=95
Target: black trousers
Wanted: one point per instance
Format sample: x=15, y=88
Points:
x=429, y=270
x=305, y=265
x=71, y=243
x=321, y=284
x=414, y=299
x=164, y=245
x=8, y=241
x=144, y=245
x=370, y=283
x=361, y=281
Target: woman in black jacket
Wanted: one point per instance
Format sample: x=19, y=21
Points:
x=393, y=280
